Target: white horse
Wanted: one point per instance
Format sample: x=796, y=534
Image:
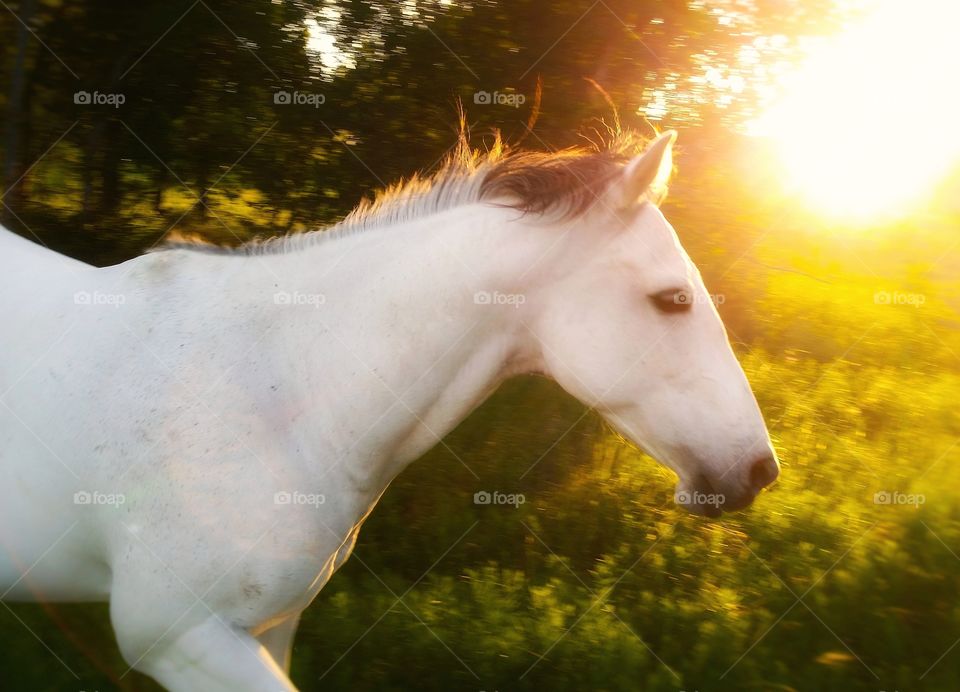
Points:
x=197, y=435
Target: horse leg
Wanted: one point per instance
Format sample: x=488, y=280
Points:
x=209, y=655
x=278, y=640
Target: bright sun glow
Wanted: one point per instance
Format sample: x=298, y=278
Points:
x=872, y=120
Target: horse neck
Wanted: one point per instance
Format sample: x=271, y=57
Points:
x=418, y=325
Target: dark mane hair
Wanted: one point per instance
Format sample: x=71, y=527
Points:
x=561, y=185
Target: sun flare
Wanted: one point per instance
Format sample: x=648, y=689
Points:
x=872, y=120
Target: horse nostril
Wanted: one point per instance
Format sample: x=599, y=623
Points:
x=763, y=472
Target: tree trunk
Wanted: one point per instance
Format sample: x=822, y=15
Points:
x=12, y=165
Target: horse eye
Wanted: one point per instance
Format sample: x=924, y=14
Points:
x=672, y=300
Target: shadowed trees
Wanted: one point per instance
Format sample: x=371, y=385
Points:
x=193, y=114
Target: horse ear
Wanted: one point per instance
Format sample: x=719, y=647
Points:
x=649, y=169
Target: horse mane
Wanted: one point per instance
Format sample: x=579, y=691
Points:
x=562, y=185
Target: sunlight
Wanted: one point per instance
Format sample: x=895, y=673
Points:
x=322, y=41
x=869, y=124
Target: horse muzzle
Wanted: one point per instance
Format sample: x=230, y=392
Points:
x=711, y=497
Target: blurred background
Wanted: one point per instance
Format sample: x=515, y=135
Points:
x=816, y=187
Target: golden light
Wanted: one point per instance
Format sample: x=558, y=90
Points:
x=872, y=120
